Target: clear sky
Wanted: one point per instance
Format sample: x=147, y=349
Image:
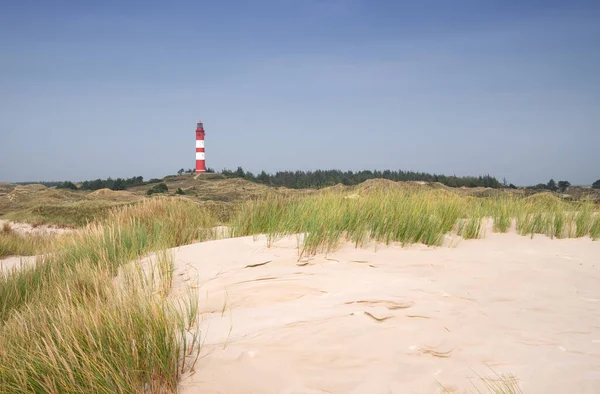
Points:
x=92, y=89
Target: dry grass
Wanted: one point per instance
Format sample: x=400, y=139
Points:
x=86, y=319
x=89, y=318
x=493, y=384
x=35, y=205
x=62, y=207
x=128, y=233
x=14, y=244
x=101, y=335
x=76, y=214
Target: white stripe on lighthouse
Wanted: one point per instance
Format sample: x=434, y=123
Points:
x=199, y=143
x=199, y=155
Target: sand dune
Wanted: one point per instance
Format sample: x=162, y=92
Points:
x=8, y=264
x=396, y=320
x=28, y=229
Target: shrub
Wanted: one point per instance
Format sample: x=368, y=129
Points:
x=158, y=188
x=596, y=185
x=563, y=185
x=66, y=185
x=179, y=191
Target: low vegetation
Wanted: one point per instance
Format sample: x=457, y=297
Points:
x=128, y=233
x=66, y=324
x=94, y=334
x=15, y=244
x=407, y=216
x=89, y=317
x=158, y=188
x=76, y=214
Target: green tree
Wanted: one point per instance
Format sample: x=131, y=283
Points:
x=179, y=191
x=240, y=172
x=263, y=178
x=228, y=173
x=181, y=171
x=596, y=185
x=552, y=185
x=324, y=178
x=118, y=184
x=66, y=185
x=249, y=176
x=563, y=185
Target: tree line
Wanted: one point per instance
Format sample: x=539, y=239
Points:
x=552, y=185
x=109, y=183
x=323, y=178
x=318, y=179
x=192, y=171
x=114, y=184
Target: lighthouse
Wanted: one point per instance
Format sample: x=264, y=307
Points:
x=200, y=159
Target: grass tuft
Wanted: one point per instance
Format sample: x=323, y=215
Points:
x=87, y=319
x=128, y=233
x=405, y=216
x=100, y=335
x=14, y=244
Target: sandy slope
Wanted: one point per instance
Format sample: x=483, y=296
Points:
x=28, y=229
x=397, y=320
x=7, y=264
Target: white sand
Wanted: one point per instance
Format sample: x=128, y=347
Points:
x=28, y=229
x=8, y=264
x=397, y=320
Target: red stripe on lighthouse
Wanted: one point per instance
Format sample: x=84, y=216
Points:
x=200, y=156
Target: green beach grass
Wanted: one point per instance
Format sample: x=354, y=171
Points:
x=101, y=335
x=408, y=217
x=15, y=244
x=88, y=317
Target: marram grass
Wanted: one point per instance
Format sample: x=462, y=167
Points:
x=89, y=318
x=128, y=233
x=15, y=244
x=410, y=217
x=110, y=335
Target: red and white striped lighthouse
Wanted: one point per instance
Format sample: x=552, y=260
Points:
x=200, y=159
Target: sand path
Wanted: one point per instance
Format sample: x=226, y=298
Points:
x=397, y=320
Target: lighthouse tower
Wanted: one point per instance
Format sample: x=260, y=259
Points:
x=200, y=160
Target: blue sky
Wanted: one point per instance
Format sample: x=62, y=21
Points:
x=114, y=88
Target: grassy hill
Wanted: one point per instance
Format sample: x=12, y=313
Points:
x=38, y=204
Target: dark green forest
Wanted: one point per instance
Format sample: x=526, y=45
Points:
x=323, y=178
x=318, y=179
